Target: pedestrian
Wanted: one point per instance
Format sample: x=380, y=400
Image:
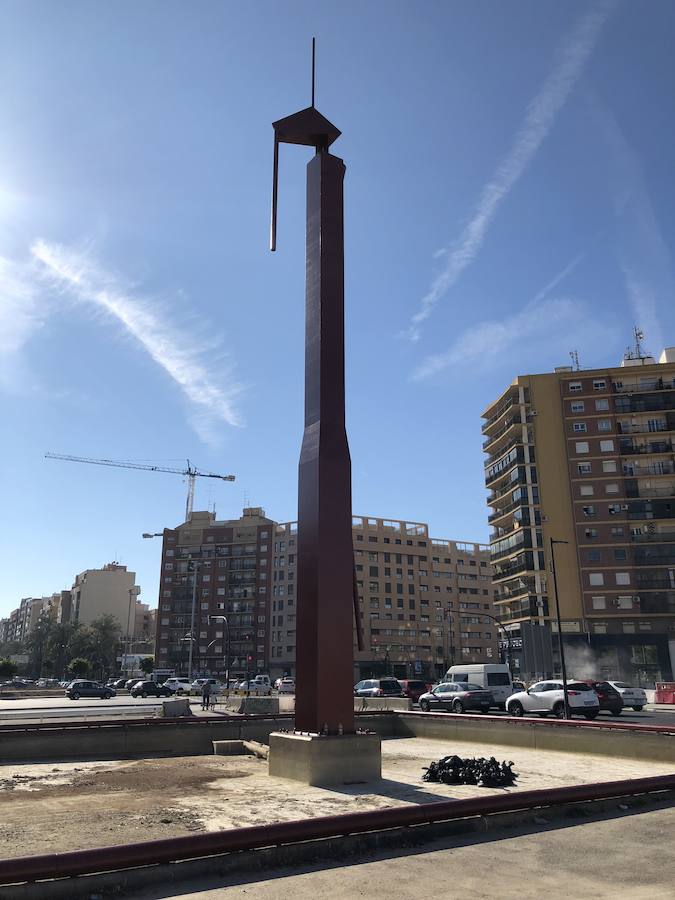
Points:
x=206, y=694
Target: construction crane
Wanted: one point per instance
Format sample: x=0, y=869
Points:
x=190, y=473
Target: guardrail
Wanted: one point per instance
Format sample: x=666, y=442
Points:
x=170, y=850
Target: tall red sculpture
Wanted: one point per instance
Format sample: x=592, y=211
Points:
x=325, y=566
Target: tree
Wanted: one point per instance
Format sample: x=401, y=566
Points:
x=7, y=668
x=37, y=642
x=79, y=667
x=147, y=665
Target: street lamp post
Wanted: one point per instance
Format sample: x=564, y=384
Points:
x=133, y=593
x=561, y=649
x=195, y=569
x=188, y=637
x=506, y=638
x=227, y=650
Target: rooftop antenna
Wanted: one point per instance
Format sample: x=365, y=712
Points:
x=639, y=338
x=575, y=360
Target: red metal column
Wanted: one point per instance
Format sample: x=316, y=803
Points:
x=324, y=662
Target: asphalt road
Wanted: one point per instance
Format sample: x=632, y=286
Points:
x=38, y=708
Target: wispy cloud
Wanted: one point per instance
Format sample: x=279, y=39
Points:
x=485, y=341
x=570, y=59
x=643, y=254
x=178, y=351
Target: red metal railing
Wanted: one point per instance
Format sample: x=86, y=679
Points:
x=126, y=856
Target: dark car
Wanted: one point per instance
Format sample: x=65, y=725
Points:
x=81, y=688
x=378, y=687
x=413, y=689
x=457, y=697
x=150, y=689
x=130, y=682
x=610, y=699
x=119, y=683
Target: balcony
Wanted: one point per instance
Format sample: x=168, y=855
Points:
x=644, y=428
x=645, y=385
x=651, y=509
x=510, y=422
x=504, y=408
x=638, y=402
x=520, y=503
x=523, y=563
x=654, y=556
x=658, y=602
x=629, y=448
x=655, y=537
x=505, y=547
x=527, y=607
x=654, y=582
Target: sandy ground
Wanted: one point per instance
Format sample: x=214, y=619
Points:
x=53, y=807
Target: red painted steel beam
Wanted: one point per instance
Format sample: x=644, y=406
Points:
x=106, y=859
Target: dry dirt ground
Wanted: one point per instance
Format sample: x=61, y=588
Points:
x=53, y=807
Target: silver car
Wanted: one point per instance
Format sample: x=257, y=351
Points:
x=632, y=696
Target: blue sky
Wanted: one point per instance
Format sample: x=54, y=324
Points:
x=509, y=198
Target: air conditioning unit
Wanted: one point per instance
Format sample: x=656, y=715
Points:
x=624, y=506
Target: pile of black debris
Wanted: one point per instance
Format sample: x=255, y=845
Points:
x=480, y=771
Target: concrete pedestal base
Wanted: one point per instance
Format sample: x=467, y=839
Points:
x=322, y=760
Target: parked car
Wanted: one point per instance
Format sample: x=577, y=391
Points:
x=286, y=686
x=634, y=697
x=455, y=697
x=610, y=699
x=378, y=687
x=492, y=677
x=413, y=689
x=119, y=683
x=178, y=685
x=130, y=682
x=260, y=686
x=546, y=697
x=82, y=688
x=150, y=689
x=518, y=686
x=198, y=684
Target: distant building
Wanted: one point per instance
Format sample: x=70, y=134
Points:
x=110, y=590
x=424, y=603
x=428, y=604
x=586, y=457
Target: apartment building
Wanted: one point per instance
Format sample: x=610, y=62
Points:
x=424, y=603
x=586, y=458
x=110, y=590
x=225, y=566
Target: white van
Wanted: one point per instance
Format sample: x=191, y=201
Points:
x=493, y=677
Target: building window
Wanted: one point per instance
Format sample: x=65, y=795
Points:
x=599, y=385
x=601, y=405
x=594, y=555
x=581, y=446
x=620, y=555
x=600, y=628
x=612, y=488
x=624, y=602
x=575, y=387
x=579, y=426
x=629, y=627
x=609, y=465
x=604, y=425
x=577, y=406
x=622, y=578
x=617, y=531
x=599, y=602
x=584, y=468
x=607, y=446
x=596, y=578
x=586, y=490
x=614, y=509
x=591, y=533
x=588, y=511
